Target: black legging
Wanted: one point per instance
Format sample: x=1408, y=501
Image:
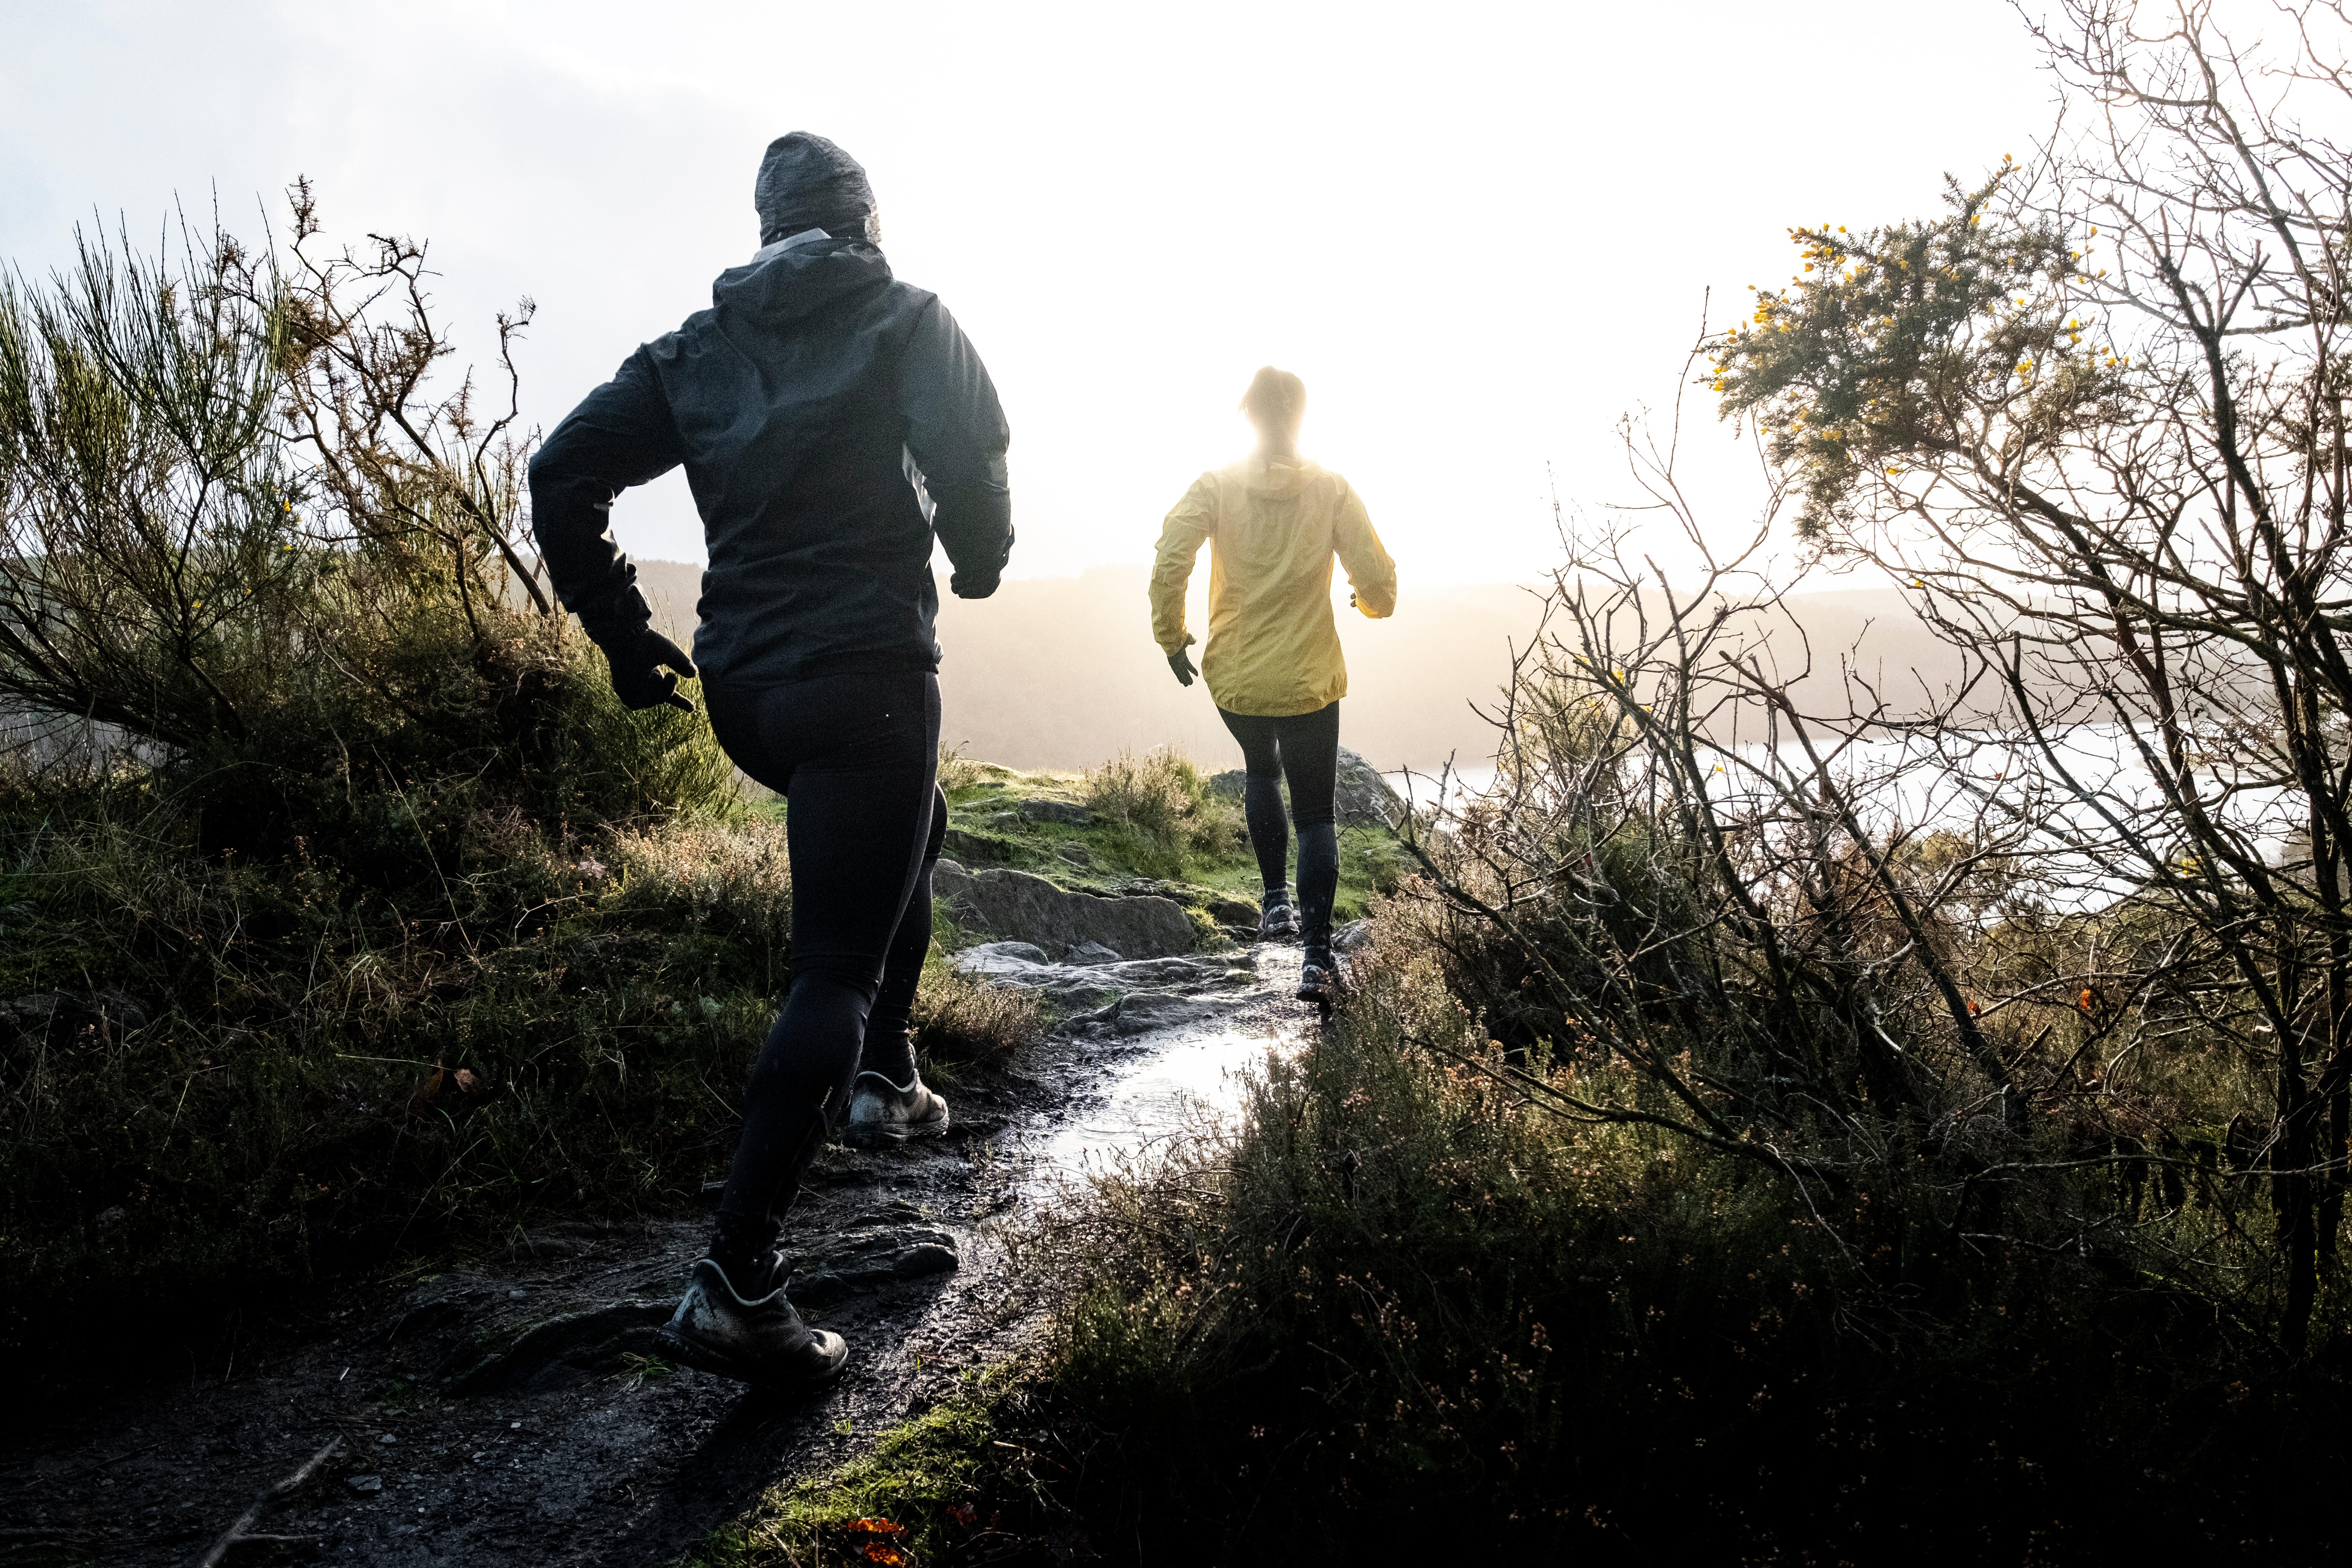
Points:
x=856, y=757
x=1305, y=749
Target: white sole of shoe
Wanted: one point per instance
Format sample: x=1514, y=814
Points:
x=686, y=1353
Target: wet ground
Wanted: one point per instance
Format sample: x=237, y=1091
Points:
x=516, y=1412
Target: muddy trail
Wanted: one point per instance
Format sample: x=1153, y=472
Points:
x=516, y=1411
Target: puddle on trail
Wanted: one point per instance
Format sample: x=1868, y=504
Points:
x=1159, y=1095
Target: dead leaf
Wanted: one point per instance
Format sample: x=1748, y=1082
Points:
x=872, y=1527
x=423, y=1097
x=465, y=1076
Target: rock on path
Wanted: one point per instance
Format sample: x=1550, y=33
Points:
x=1020, y=905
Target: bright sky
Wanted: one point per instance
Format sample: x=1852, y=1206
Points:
x=1480, y=233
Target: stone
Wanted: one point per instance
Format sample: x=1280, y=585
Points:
x=1361, y=797
x=364, y=1483
x=1234, y=911
x=1152, y=1013
x=1055, y=808
x=872, y=1256
x=1024, y=908
x=1352, y=936
x=1162, y=974
x=982, y=848
x=1000, y=957
x=1094, y=952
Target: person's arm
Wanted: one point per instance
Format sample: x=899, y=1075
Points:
x=956, y=434
x=621, y=434
x=1193, y=518
x=1370, y=570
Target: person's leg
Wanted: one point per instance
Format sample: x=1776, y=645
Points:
x=858, y=755
x=1310, y=759
x=1269, y=829
x=889, y=1037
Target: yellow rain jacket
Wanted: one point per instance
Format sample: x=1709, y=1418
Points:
x=1272, y=526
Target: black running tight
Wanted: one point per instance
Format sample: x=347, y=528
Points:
x=1305, y=749
x=856, y=757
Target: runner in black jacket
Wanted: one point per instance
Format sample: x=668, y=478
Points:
x=830, y=421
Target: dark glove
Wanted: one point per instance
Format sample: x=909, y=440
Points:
x=971, y=587
x=639, y=679
x=1182, y=663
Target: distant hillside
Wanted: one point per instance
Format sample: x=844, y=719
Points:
x=1062, y=672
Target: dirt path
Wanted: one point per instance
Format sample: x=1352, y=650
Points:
x=503, y=1413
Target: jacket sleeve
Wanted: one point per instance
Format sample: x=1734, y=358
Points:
x=1370, y=570
x=621, y=434
x=1193, y=520
x=957, y=436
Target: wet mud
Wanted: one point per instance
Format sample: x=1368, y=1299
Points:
x=517, y=1411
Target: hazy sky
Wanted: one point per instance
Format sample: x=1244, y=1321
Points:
x=1480, y=233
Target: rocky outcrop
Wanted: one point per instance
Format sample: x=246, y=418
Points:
x=1019, y=907
x=1361, y=798
x=1136, y=997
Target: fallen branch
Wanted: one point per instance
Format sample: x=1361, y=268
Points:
x=242, y=1532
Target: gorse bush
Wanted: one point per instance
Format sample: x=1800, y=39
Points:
x=372, y=922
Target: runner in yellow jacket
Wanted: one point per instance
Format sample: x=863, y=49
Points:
x=1274, y=522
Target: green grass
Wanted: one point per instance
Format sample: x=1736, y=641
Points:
x=947, y=1477
x=1154, y=819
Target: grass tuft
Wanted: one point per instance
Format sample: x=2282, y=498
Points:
x=962, y=1019
x=1160, y=806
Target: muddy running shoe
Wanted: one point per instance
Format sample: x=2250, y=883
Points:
x=1319, y=979
x=1279, y=919
x=761, y=1341
x=879, y=1110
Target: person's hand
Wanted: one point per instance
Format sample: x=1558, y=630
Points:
x=973, y=586
x=1182, y=663
x=639, y=677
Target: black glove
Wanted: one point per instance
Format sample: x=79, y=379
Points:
x=1182, y=663
x=639, y=679
x=971, y=587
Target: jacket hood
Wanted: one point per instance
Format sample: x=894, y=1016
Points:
x=808, y=182
x=1280, y=475
x=798, y=281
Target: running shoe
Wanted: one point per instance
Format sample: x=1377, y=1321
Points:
x=1278, y=919
x=761, y=1341
x=879, y=1110
x=1319, y=979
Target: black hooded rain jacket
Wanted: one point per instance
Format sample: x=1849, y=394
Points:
x=830, y=418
